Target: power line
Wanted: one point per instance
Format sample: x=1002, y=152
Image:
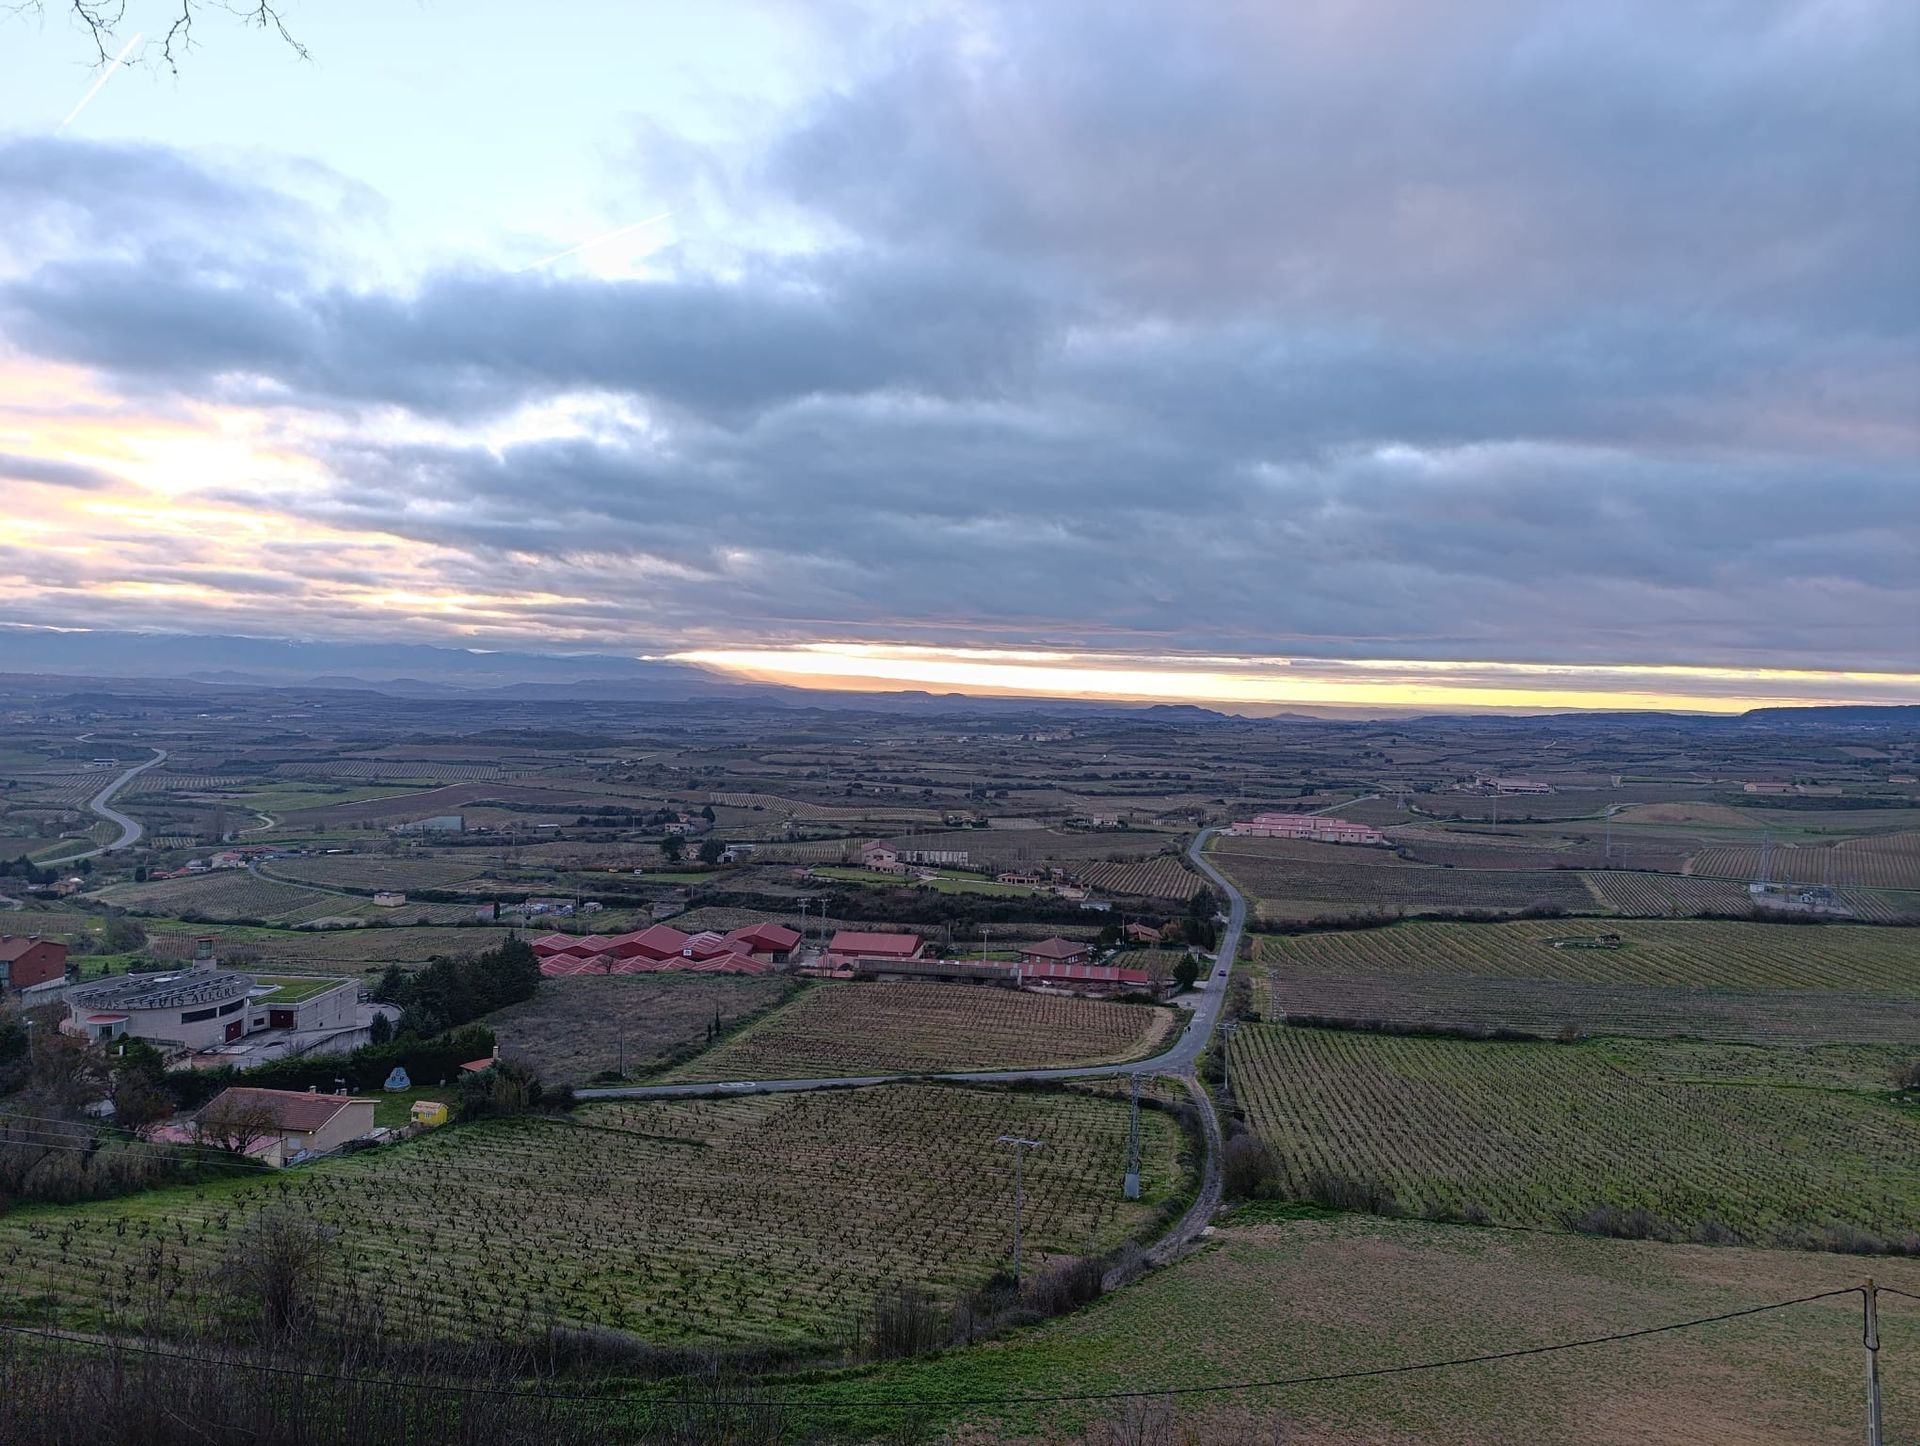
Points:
x=1061, y=1398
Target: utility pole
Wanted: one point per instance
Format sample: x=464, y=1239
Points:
x=1871, y=1339
x=1020, y=1148
x=1131, y=1186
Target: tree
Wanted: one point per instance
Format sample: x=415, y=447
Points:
x=710, y=850
x=381, y=1030
x=274, y=1266
x=707, y=813
x=235, y=1123
x=673, y=846
x=1187, y=972
x=103, y=21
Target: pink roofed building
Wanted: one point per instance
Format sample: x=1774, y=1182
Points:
x=850, y=944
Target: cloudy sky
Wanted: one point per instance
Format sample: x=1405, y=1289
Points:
x=1491, y=352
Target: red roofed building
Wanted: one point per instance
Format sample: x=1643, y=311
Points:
x=296, y=1121
x=657, y=941
x=1055, y=951
x=27, y=960
x=1087, y=978
x=851, y=944
x=709, y=944
x=772, y=942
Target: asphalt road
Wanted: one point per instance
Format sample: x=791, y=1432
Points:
x=1178, y=1059
x=130, y=829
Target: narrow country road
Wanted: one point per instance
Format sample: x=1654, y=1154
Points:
x=100, y=803
x=1179, y=1060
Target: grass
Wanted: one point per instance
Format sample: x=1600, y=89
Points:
x=882, y=1028
x=1535, y=1134
x=578, y=1027
x=1677, y=953
x=738, y=1220
x=1302, y=1297
x=292, y=988
x=395, y=1107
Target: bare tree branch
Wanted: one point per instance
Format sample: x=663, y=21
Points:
x=102, y=20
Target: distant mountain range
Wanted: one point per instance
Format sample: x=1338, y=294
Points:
x=426, y=671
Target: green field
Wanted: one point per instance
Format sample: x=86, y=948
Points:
x=747, y=1219
x=878, y=1028
x=1536, y=1134
x=1310, y=1297
x=292, y=988
x=1678, y=953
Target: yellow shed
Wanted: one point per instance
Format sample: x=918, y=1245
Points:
x=429, y=1112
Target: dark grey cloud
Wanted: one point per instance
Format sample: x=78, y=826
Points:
x=17, y=468
x=1504, y=330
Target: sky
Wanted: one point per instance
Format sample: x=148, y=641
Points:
x=1482, y=354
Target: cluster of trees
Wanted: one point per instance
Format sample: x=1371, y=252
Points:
x=28, y=872
x=454, y=991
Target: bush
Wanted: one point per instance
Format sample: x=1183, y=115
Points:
x=1249, y=1170
x=1605, y=1218
x=1337, y=1191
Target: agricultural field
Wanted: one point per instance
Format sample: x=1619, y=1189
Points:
x=763, y=1218
x=369, y=871
x=1299, y=888
x=1676, y=954
x=1666, y=896
x=584, y=1025
x=1537, y=1135
x=226, y=894
x=1158, y=878
x=1549, y=1008
x=1321, y=1296
x=1886, y=861
x=884, y=1028
x=327, y=951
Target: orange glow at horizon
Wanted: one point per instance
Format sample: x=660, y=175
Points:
x=1395, y=683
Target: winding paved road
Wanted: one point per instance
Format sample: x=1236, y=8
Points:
x=1179, y=1060
x=100, y=803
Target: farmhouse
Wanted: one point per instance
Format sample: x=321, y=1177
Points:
x=291, y=1123
x=934, y=858
x=28, y=959
x=1054, y=951
x=1315, y=826
x=1020, y=876
x=1517, y=785
x=881, y=858
x=850, y=944
x=389, y=899
x=1142, y=934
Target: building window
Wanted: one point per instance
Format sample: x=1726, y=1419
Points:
x=227, y=1009
x=194, y=1016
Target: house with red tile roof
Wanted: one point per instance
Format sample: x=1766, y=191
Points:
x=850, y=944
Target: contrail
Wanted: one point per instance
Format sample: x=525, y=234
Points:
x=586, y=245
x=105, y=76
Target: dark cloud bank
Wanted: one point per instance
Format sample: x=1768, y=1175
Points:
x=1495, y=331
